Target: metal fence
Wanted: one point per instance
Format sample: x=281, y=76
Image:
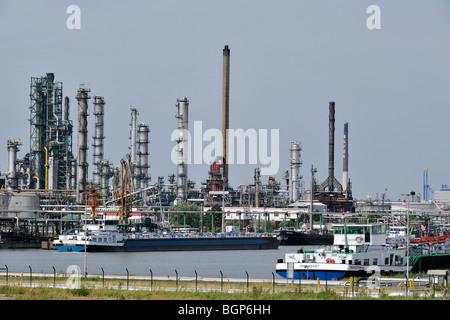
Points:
x=73, y=278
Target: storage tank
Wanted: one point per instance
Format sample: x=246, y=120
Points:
x=19, y=204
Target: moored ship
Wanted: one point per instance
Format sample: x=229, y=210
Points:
x=359, y=250
x=104, y=239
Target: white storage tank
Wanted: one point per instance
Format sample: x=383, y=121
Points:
x=23, y=205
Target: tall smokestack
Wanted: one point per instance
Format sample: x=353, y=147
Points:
x=331, y=147
x=345, y=162
x=331, y=183
x=225, y=109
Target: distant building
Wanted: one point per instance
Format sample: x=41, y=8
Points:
x=443, y=195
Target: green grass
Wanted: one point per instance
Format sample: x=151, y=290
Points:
x=96, y=288
x=255, y=293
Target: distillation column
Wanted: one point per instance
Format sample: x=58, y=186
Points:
x=143, y=142
x=98, y=145
x=11, y=175
x=257, y=185
x=106, y=172
x=133, y=149
x=66, y=108
x=37, y=152
x=183, y=148
x=82, y=98
x=294, y=171
x=73, y=175
x=133, y=135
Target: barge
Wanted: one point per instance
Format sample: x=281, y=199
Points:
x=103, y=240
x=360, y=250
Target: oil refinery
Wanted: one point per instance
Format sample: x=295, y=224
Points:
x=50, y=186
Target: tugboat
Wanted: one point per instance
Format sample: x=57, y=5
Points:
x=358, y=250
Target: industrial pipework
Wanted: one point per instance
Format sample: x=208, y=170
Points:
x=106, y=172
x=11, y=175
x=50, y=135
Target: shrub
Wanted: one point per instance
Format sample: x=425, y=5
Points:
x=83, y=291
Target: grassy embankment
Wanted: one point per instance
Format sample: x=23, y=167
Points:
x=120, y=289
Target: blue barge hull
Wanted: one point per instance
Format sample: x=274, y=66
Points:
x=314, y=275
x=182, y=244
x=69, y=248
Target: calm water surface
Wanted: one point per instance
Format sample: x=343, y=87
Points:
x=232, y=263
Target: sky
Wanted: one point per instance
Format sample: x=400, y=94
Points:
x=289, y=59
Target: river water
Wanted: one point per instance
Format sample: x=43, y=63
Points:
x=232, y=263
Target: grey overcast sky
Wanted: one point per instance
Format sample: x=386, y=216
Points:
x=289, y=58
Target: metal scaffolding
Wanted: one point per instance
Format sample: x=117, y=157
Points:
x=50, y=136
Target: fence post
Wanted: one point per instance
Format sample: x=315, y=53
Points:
x=247, y=280
x=103, y=277
x=176, y=278
x=406, y=285
x=151, y=279
x=273, y=283
x=128, y=277
x=7, y=283
x=352, y=284
x=31, y=276
x=195, y=280
x=221, y=281
x=54, y=277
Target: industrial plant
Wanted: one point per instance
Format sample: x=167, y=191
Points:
x=50, y=186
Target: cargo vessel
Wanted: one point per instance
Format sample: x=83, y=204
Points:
x=360, y=250
x=103, y=240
